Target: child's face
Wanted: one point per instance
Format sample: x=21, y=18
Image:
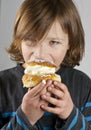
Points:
x=52, y=48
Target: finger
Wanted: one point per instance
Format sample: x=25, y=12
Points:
x=48, y=82
x=50, y=100
x=36, y=90
x=49, y=109
x=60, y=86
x=58, y=93
x=48, y=94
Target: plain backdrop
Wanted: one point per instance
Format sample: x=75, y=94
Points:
x=8, y=9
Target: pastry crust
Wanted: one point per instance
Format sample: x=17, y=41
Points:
x=44, y=63
x=33, y=80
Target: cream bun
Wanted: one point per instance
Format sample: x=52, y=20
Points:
x=35, y=72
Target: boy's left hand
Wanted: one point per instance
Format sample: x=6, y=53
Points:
x=61, y=100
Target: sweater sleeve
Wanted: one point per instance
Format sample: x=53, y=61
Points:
x=18, y=122
x=79, y=119
x=76, y=121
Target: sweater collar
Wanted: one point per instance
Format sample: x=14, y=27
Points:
x=20, y=68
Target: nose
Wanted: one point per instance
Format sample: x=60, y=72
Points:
x=39, y=52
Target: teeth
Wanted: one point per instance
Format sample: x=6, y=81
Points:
x=36, y=60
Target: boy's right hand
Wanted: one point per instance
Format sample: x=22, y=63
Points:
x=32, y=101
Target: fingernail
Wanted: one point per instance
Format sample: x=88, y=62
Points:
x=43, y=96
x=42, y=106
x=50, y=81
x=55, y=82
x=43, y=82
x=49, y=88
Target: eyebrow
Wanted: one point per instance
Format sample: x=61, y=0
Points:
x=56, y=38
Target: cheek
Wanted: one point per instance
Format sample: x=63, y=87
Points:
x=59, y=56
x=25, y=53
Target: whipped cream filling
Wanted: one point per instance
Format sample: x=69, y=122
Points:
x=39, y=70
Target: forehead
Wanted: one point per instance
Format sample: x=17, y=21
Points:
x=56, y=31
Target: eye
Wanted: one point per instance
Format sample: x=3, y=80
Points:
x=54, y=42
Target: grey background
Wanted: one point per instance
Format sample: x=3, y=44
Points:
x=8, y=9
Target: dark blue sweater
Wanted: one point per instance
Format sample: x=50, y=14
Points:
x=12, y=92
